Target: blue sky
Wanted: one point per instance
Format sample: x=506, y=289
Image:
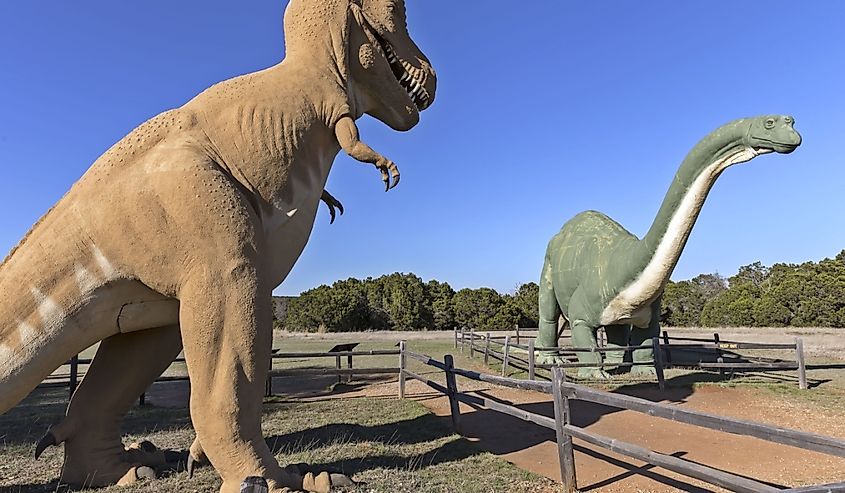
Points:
x=544, y=109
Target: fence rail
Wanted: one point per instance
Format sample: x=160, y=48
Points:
x=563, y=391
x=73, y=376
x=501, y=348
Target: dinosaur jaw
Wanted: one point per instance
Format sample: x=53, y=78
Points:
x=411, y=79
x=405, y=75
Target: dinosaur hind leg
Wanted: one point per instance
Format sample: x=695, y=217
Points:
x=124, y=366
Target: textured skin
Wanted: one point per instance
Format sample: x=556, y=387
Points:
x=177, y=235
x=597, y=274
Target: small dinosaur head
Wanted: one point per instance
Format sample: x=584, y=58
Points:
x=391, y=77
x=773, y=133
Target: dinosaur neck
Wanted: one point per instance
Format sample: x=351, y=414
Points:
x=666, y=238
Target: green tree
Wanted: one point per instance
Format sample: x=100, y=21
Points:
x=733, y=307
x=685, y=300
x=440, y=300
x=306, y=312
x=527, y=302
x=475, y=308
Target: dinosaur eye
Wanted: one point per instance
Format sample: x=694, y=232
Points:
x=770, y=123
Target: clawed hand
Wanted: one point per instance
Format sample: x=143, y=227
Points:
x=331, y=203
x=388, y=168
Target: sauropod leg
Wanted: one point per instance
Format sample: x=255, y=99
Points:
x=617, y=336
x=123, y=368
x=226, y=331
x=643, y=337
x=548, y=335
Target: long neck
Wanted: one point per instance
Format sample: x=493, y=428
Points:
x=683, y=202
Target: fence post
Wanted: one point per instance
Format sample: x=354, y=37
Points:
x=402, y=365
x=349, y=366
x=455, y=329
x=658, y=363
x=462, y=339
x=487, y=349
x=506, y=354
x=719, y=358
x=452, y=386
x=566, y=455
x=74, y=373
x=517, y=333
x=802, y=369
x=666, y=345
x=471, y=342
x=268, y=383
x=531, y=359
x=337, y=366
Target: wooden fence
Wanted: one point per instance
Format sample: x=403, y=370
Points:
x=563, y=391
x=75, y=362
x=667, y=351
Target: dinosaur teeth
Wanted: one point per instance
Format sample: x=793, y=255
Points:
x=405, y=74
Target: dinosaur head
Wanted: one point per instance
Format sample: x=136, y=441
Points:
x=772, y=133
x=393, y=78
x=384, y=72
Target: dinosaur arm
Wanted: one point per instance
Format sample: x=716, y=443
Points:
x=331, y=203
x=347, y=135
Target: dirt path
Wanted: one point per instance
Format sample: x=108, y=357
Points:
x=533, y=448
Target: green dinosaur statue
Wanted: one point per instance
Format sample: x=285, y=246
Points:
x=177, y=235
x=597, y=274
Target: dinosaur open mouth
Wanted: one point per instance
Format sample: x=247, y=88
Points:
x=410, y=78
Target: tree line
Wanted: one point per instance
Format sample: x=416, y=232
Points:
x=404, y=302
x=811, y=294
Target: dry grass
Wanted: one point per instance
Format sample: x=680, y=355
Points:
x=386, y=444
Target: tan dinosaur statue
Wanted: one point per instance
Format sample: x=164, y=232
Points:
x=178, y=233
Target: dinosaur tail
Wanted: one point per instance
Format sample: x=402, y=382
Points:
x=40, y=282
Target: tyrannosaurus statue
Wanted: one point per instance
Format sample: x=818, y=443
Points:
x=176, y=236
x=598, y=274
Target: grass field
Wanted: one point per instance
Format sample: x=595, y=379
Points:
x=387, y=444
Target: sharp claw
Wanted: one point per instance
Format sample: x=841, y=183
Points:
x=191, y=466
x=385, y=177
x=46, y=441
x=331, y=213
x=394, y=171
x=340, y=208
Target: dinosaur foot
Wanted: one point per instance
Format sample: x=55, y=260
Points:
x=313, y=482
x=92, y=461
x=593, y=374
x=547, y=358
x=297, y=477
x=309, y=482
x=643, y=371
x=196, y=458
